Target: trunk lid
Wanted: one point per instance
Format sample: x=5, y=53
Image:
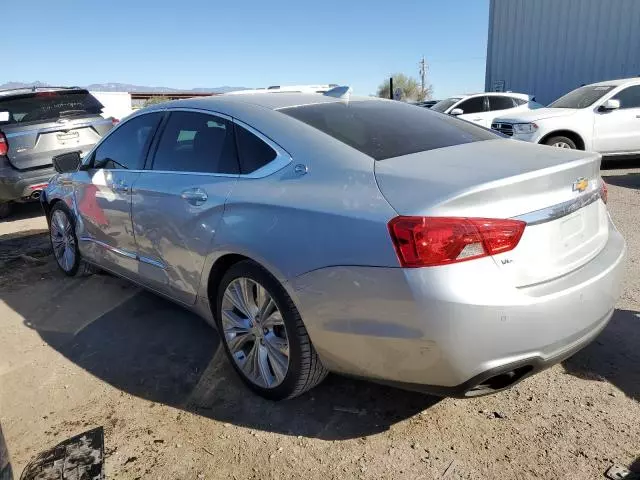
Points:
x=554, y=190
x=33, y=146
x=47, y=122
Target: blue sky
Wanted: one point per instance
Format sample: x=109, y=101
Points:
x=254, y=43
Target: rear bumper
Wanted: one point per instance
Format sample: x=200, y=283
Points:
x=16, y=184
x=446, y=330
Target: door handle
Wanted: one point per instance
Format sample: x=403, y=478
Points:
x=477, y=119
x=195, y=196
x=120, y=187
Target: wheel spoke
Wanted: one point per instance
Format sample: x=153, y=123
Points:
x=262, y=364
x=250, y=363
x=238, y=340
x=277, y=353
x=236, y=295
x=68, y=258
x=273, y=320
x=232, y=323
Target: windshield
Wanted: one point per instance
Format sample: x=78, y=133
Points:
x=44, y=106
x=387, y=129
x=581, y=97
x=443, y=105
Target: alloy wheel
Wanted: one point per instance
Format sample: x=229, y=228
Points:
x=254, y=331
x=561, y=145
x=63, y=240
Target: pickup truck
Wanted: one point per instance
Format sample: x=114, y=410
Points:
x=602, y=117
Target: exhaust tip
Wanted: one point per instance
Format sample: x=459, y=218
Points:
x=499, y=381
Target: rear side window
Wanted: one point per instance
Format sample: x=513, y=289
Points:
x=196, y=142
x=253, y=152
x=45, y=106
x=127, y=145
x=497, y=102
x=473, y=105
x=386, y=129
x=629, y=97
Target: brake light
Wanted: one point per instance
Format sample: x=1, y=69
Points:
x=4, y=144
x=604, y=191
x=114, y=121
x=432, y=241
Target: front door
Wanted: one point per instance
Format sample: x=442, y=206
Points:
x=179, y=200
x=475, y=110
x=618, y=131
x=103, y=195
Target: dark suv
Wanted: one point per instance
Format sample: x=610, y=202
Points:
x=37, y=124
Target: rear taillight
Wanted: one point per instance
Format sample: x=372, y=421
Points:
x=114, y=121
x=604, y=191
x=4, y=145
x=432, y=241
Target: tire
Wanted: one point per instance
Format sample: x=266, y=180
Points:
x=5, y=210
x=561, y=142
x=255, y=336
x=62, y=235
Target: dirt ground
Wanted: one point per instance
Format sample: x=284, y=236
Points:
x=96, y=351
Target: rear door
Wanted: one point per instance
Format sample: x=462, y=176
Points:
x=179, y=199
x=103, y=194
x=44, y=124
x=499, y=105
x=618, y=131
x=475, y=110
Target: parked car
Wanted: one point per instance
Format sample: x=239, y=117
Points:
x=603, y=117
x=355, y=236
x=483, y=108
x=35, y=125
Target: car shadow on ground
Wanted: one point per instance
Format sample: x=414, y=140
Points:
x=158, y=351
x=22, y=211
x=629, y=180
x=614, y=356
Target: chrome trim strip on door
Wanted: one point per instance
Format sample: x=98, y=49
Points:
x=125, y=253
x=560, y=210
x=119, y=251
x=150, y=261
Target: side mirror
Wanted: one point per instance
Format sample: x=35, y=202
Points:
x=456, y=112
x=67, y=162
x=5, y=116
x=611, y=104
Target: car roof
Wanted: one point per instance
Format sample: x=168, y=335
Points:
x=502, y=94
x=615, y=83
x=26, y=90
x=271, y=101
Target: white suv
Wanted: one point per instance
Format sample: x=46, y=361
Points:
x=483, y=108
x=603, y=117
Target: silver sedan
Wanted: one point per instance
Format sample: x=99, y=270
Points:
x=360, y=236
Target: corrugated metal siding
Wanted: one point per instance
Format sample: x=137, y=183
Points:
x=549, y=47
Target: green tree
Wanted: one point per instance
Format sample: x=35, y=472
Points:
x=156, y=100
x=410, y=87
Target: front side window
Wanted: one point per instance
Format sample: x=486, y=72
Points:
x=253, y=152
x=386, y=129
x=498, y=102
x=629, y=97
x=473, y=105
x=127, y=146
x=582, y=97
x=196, y=142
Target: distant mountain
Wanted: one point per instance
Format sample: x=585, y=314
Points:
x=125, y=87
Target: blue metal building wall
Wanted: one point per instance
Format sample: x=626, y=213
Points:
x=549, y=47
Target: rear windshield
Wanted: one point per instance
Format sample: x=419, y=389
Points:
x=43, y=106
x=386, y=129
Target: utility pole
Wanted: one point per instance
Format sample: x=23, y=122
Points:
x=423, y=72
